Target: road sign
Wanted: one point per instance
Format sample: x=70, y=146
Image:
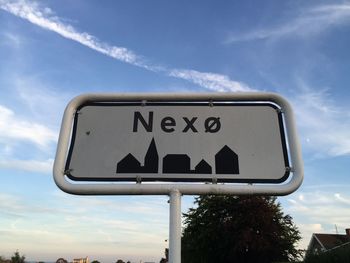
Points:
x=208, y=138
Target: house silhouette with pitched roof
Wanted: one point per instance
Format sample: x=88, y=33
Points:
x=129, y=164
x=203, y=168
x=320, y=243
x=226, y=161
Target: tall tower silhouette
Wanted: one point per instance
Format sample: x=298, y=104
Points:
x=129, y=164
x=151, y=159
x=226, y=161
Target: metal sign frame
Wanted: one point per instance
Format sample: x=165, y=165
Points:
x=138, y=188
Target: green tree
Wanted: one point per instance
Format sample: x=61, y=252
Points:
x=17, y=258
x=238, y=229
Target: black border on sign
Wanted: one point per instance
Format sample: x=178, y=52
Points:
x=168, y=177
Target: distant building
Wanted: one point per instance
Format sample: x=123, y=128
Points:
x=321, y=243
x=81, y=260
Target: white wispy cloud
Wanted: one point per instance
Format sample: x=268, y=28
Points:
x=19, y=205
x=43, y=102
x=211, y=81
x=318, y=212
x=323, y=208
x=309, y=22
x=15, y=128
x=45, y=18
x=307, y=230
x=10, y=39
x=311, y=106
x=99, y=225
x=28, y=165
x=342, y=199
x=149, y=206
x=322, y=124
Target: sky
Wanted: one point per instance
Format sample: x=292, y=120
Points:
x=52, y=51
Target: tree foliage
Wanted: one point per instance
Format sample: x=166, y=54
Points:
x=238, y=229
x=17, y=258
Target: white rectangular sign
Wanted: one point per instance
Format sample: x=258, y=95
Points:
x=177, y=139
x=179, y=142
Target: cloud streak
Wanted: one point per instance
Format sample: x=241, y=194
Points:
x=322, y=208
x=318, y=212
x=28, y=165
x=99, y=225
x=323, y=126
x=311, y=22
x=211, y=81
x=45, y=18
x=14, y=128
x=311, y=105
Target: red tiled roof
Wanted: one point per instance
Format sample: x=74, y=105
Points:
x=332, y=240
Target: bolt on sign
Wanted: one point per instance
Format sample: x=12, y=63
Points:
x=202, y=143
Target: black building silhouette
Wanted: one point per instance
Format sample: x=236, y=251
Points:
x=181, y=163
x=151, y=159
x=177, y=163
x=202, y=168
x=129, y=164
x=226, y=161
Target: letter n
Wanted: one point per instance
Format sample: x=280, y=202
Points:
x=147, y=125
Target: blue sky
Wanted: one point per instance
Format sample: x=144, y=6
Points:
x=52, y=51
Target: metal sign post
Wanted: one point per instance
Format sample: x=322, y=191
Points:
x=174, y=144
x=175, y=227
